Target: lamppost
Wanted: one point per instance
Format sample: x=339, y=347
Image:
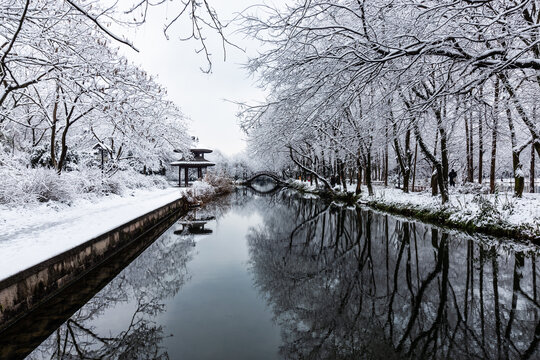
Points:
x=102, y=152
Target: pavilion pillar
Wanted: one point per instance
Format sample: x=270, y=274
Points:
x=199, y=173
x=179, y=176
x=186, y=176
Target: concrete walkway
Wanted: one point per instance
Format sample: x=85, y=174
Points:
x=30, y=235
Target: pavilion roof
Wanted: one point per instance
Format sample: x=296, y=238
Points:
x=202, y=151
x=192, y=163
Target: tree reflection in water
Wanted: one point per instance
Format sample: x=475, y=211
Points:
x=157, y=274
x=350, y=284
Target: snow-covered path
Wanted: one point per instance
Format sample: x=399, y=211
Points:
x=31, y=235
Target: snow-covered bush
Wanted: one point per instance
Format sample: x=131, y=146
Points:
x=473, y=188
x=40, y=156
x=134, y=180
x=222, y=183
x=22, y=185
x=200, y=190
x=33, y=185
x=112, y=186
x=508, y=204
x=487, y=210
x=47, y=185
x=211, y=186
x=299, y=185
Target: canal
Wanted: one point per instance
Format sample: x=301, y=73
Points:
x=277, y=275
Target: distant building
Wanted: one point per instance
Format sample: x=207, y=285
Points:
x=198, y=162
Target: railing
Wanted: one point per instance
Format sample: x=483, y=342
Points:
x=503, y=185
x=507, y=185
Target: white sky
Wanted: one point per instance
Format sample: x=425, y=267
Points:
x=202, y=97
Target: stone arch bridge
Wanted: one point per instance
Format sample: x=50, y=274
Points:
x=270, y=174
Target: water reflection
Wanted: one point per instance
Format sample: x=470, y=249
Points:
x=351, y=284
x=129, y=303
x=264, y=186
x=187, y=296
x=341, y=283
x=195, y=224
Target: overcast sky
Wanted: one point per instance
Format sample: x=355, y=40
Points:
x=202, y=97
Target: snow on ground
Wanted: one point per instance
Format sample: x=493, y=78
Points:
x=307, y=185
x=393, y=195
x=30, y=235
x=466, y=205
x=480, y=208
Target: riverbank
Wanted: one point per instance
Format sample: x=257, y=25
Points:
x=193, y=285
x=499, y=215
x=32, y=234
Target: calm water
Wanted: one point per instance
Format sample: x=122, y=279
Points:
x=280, y=276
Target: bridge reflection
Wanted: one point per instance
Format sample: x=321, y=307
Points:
x=262, y=189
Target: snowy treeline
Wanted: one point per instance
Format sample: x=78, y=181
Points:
x=70, y=103
x=374, y=89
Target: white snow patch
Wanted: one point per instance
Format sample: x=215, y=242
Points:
x=503, y=209
x=32, y=234
x=481, y=209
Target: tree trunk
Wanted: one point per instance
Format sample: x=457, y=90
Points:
x=323, y=164
x=341, y=167
x=519, y=184
x=53, y=128
x=494, y=138
x=531, y=173
x=519, y=180
x=431, y=158
x=386, y=158
x=414, y=168
x=358, y=177
x=443, y=143
x=368, y=173
x=471, y=143
x=528, y=122
x=470, y=171
x=376, y=167
x=443, y=187
x=310, y=171
x=408, y=156
x=467, y=146
x=403, y=156
x=434, y=184
x=63, y=153
x=480, y=150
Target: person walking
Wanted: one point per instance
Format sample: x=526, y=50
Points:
x=452, y=177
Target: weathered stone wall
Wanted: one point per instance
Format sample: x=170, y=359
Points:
x=24, y=291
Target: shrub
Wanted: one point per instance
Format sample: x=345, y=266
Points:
x=22, y=185
x=487, y=210
x=223, y=184
x=33, y=185
x=473, y=188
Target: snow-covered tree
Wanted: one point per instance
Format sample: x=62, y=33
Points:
x=351, y=79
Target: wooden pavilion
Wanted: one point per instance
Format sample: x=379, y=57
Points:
x=198, y=162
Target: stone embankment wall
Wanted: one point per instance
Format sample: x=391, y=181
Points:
x=24, y=291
